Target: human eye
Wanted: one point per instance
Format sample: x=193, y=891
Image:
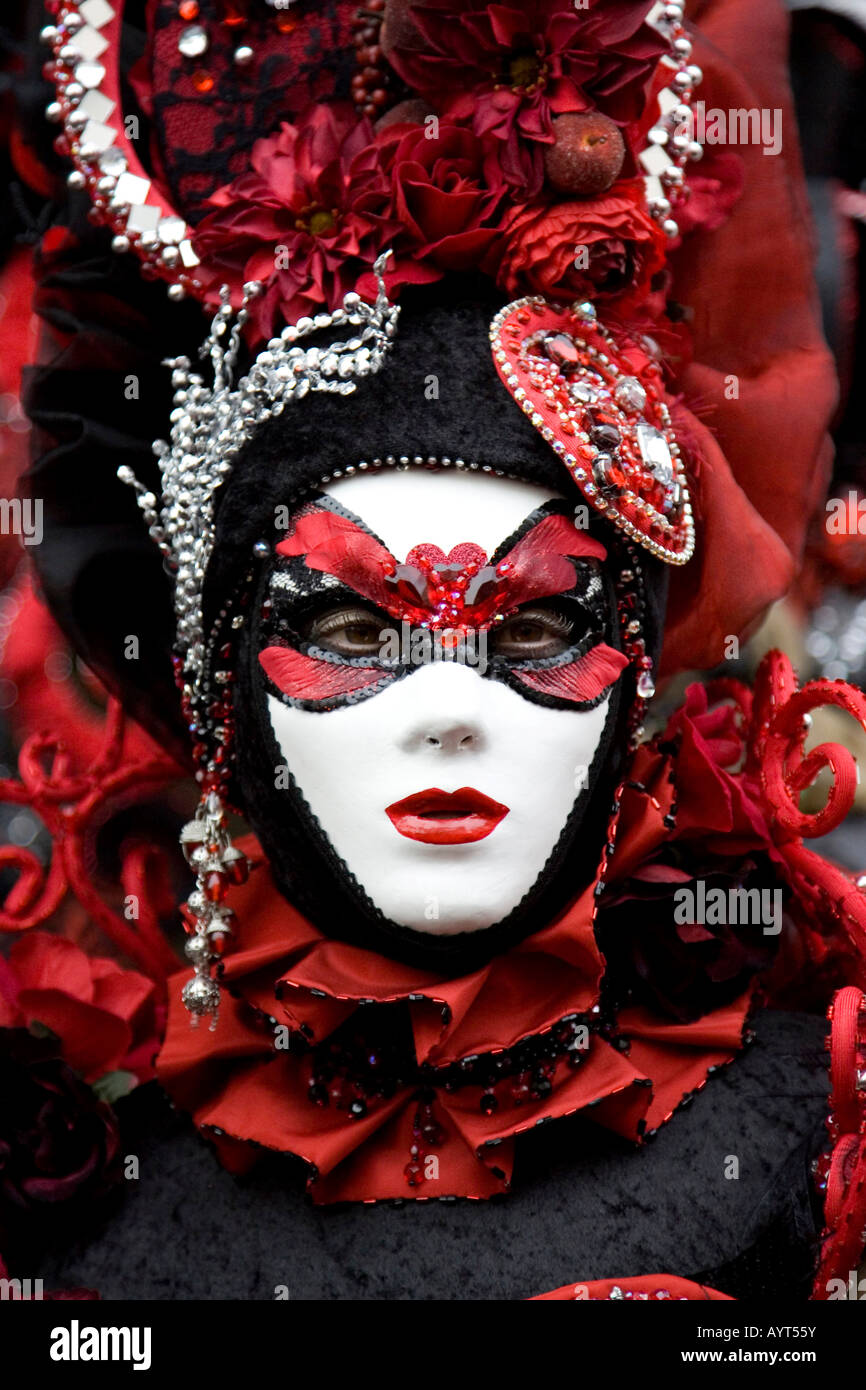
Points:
x=348, y=630
x=532, y=633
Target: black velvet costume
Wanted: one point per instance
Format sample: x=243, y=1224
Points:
x=586, y=1205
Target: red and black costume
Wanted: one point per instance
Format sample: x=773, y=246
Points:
x=551, y=1111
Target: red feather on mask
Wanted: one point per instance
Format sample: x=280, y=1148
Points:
x=540, y=563
x=304, y=677
x=579, y=681
x=339, y=546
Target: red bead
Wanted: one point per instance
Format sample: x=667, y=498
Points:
x=238, y=870
x=432, y=1133
x=202, y=80
x=215, y=886
x=233, y=12
x=338, y=1093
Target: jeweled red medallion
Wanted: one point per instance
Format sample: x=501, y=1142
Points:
x=599, y=402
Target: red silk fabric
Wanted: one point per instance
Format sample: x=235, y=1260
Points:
x=760, y=387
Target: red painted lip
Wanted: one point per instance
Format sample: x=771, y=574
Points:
x=446, y=818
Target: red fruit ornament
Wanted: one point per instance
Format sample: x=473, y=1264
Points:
x=587, y=154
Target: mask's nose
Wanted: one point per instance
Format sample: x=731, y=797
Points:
x=447, y=711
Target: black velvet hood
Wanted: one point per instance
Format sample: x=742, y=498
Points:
x=102, y=397
x=103, y=394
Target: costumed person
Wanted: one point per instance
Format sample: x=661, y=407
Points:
x=508, y=408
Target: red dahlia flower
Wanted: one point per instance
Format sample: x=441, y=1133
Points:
x=594, y=248
x=309, y=217
x=511, y=67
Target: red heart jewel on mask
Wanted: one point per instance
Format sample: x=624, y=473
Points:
x=596, y=395
x=466, y=553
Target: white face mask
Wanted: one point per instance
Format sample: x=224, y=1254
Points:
x=443, y=728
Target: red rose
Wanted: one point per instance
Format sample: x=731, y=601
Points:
x=104, y=1016
x=59, y=1145
x=446, y=194
x=308, y=219
x=683, y=969
x=594, y=248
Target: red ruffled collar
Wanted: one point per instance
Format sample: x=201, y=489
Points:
x=483, y=1042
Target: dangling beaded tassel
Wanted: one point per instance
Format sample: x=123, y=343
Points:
x=210, y=424
x=218, y=864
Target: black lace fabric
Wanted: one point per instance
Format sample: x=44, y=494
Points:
x=202, y=138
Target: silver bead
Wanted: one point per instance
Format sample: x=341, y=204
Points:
x=201, y=996
x=243, y=56
x=176, y=292
x=193, y=41
x=197, y=950
x=54, y=112
x=75, y=179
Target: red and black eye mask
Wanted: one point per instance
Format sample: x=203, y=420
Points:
x=455, y=607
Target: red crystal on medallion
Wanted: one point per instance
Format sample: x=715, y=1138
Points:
x=562, y=349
